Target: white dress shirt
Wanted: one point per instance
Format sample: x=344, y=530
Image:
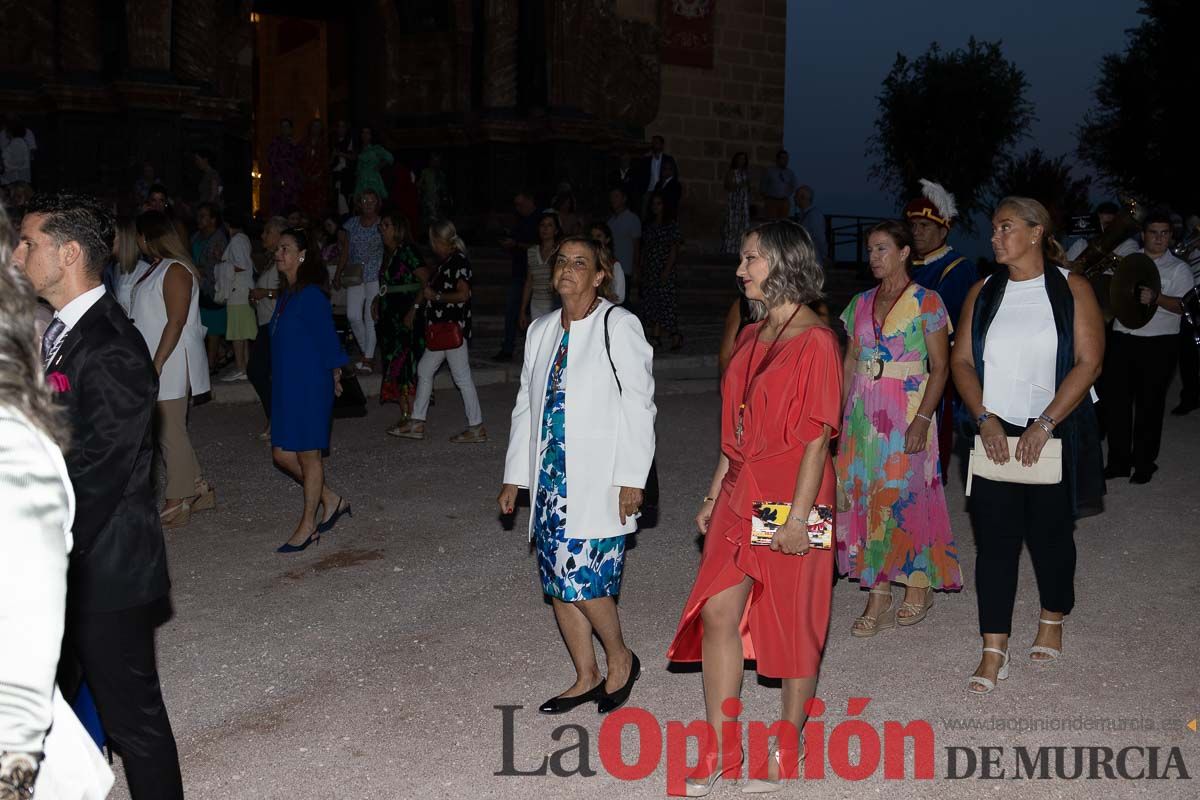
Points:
x=1176, y=280
x=655, y=169
x=73, y=311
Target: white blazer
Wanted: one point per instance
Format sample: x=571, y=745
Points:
x=610, y=433
x=186, y=370
x=37, y=508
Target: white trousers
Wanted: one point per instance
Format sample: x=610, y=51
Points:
x=358, y=311
x=460, y=371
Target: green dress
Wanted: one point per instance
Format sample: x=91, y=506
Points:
x=370, y=161
x=400, y=345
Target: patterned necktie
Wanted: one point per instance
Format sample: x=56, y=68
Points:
x=50, y=340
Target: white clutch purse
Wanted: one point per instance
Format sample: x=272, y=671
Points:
x=1047, y=470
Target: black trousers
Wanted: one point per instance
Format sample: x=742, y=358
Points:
x=1137, y=374
x=1189, y=365
x=258, y=367
x=116, y=653
x=1006, y=514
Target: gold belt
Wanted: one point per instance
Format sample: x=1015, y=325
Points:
x=878, y=368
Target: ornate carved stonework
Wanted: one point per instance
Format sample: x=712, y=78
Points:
x=148, y=32
x=624, y=64
x=79, y=36
x=195, y=43
x=500, y=54
x=28, y=36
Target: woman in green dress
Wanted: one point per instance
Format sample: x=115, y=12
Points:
x=371, y=159
x=397, y=316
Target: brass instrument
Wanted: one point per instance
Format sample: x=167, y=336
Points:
x=1118, y=280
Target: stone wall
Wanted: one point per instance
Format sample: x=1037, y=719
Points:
x=707, y=115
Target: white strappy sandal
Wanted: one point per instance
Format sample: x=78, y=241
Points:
x=988, y=685
x=1051, y=653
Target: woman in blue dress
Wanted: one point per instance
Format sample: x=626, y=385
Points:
x=306, y=370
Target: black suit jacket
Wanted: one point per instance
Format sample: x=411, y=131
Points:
x=119, y=560
x=643, y=171
x=672, y=193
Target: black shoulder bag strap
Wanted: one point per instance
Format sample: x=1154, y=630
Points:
x=608, y=349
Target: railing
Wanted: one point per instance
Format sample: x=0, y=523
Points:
x=846, y=230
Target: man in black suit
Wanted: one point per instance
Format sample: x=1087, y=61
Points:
x=117, y=582
x=625, y=178
x=650, y=169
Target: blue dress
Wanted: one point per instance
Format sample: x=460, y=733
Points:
x=304, y=352
x=571, y=569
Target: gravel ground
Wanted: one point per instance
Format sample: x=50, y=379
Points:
x=370, y=666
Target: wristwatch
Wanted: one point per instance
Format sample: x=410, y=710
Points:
x=982, y=418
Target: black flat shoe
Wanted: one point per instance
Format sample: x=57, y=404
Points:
x=1184, y=409
x=611, y=702
x=561, y=705
x=1143, y=476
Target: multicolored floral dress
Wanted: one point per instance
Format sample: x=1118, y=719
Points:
x=571, y=569
x=897, y=528
x=400, y=345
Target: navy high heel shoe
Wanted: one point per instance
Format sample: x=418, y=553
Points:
x=314, y=538
x=342, y=508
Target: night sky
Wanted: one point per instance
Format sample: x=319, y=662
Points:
x=839, y=52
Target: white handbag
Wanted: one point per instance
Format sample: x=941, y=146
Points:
x=1047, y=470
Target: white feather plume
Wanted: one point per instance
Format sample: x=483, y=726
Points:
x=937, y=194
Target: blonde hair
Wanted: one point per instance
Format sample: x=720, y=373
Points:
x=162, y=240
x=601, y=257
x=444, y=231
x=1033, y=213
x=126, y=245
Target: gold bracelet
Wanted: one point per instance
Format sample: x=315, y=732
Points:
x=709, y=500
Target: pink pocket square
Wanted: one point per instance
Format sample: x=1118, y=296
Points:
x=58, y=382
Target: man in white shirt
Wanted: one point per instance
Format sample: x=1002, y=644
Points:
x=652, y=170
x=779, y=183
x=1140, y=363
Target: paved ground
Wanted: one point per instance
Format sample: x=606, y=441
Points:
x=369, y=667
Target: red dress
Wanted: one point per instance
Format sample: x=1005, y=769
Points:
x=787, y=613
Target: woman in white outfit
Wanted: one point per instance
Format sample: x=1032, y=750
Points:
x=360, y=258
x=38, y=730
x=583, y=425
x=129, y=262
x=166, y=312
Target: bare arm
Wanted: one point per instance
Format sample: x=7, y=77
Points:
x=177, y=296
x=938, y=346
x=714, y=488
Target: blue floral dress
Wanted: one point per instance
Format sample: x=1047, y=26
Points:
x=571, y=569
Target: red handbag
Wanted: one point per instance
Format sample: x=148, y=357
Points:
x=443, y=336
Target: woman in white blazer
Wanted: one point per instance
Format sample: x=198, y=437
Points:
x=166, y=312
x=37, y=727
x=590, y=426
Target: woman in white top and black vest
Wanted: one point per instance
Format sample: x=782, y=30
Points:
x=1026, y=370
x=165, y=310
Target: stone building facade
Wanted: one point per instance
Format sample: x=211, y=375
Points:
x=511, y=93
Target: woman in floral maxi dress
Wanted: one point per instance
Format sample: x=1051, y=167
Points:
x=897, y=528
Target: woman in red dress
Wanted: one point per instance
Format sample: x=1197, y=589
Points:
x=781, y=407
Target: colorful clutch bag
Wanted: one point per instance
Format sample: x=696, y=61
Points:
x=769, y=516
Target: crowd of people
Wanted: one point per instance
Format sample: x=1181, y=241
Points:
x=158, y=305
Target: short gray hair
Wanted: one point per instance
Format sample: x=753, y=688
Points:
x=278, y=224
x=795, y=274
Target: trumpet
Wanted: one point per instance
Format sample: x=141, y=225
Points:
x=1191, y=241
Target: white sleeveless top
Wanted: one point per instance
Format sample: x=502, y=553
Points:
x=1020, y=352
x=186, y=370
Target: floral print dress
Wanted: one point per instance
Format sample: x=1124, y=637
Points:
x=571, y=569
x=400, y=345
x=898, y=526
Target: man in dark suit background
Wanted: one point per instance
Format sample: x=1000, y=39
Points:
x=117, y=584
x=650, y=169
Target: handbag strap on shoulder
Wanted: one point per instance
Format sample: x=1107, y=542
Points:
x=608, y=348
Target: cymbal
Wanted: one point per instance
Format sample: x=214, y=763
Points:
x=1136, y=270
